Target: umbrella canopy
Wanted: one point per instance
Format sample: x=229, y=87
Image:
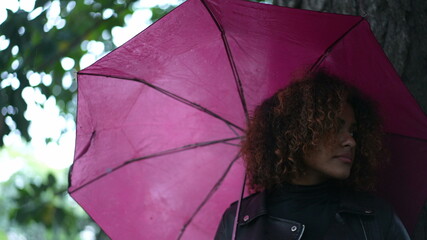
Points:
x=160, y=118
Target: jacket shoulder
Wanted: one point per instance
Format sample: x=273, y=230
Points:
x=376, y=211
x=364, y=201
x=252, y=203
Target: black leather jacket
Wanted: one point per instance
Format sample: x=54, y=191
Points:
x=360, y=216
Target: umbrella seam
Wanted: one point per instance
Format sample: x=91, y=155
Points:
x=210, y=194
x=330, y=48
x=231, y=60
x=408, y=137
x=174, y=96
x=159, y=154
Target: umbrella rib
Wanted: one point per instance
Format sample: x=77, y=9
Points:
x=330, y=48
x=159, y=154
x=408, y=137
x=182, y=148
x=172, y=95
x=210, y=194
x=232, y=129
x=232, y=144
x=231, y=61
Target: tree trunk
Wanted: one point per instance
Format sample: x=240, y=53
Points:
x=400, y=27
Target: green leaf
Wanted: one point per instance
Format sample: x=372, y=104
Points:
x=51, y=180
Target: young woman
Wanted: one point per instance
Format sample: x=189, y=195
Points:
x=310, y=153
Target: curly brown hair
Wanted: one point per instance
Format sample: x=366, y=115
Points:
x=288, y=125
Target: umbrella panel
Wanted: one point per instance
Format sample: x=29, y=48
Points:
x=152, y=185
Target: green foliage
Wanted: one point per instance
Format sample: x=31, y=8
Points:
x=42, y=209
x=159, y=12
x=39, y=40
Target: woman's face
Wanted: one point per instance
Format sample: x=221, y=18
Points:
x=332, y=161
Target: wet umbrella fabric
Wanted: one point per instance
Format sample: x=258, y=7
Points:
x=160, y=118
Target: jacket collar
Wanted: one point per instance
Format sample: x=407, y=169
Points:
x=359, y=203
x=255, y=205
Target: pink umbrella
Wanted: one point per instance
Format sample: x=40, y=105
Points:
x=160, y=118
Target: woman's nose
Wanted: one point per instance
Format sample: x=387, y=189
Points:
x=347, y=139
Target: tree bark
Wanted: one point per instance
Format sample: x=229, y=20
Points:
x=400, y=27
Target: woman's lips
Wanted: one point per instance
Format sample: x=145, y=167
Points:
x=346, y=158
